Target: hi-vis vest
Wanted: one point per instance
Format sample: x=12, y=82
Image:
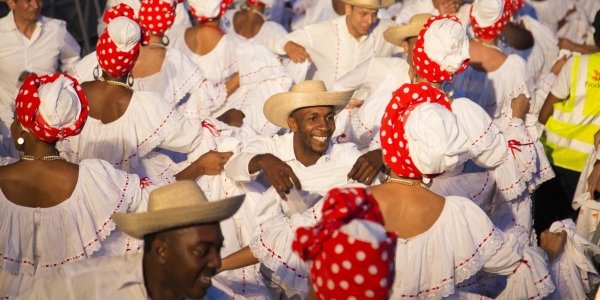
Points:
x=570, y=131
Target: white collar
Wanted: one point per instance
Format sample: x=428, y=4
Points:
x=288, y=153
x=8, y=23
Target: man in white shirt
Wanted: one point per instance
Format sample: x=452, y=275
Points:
x=308, y=110
x=30, y=44
x=337, y=46
x=182, y=239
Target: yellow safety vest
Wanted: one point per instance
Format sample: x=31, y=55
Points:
x=570, y=130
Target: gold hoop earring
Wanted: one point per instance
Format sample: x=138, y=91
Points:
x=445, y=90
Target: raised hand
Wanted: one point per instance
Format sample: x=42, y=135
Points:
x=366, y=167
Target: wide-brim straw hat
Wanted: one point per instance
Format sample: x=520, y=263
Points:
x=371, y=4
x=399, y=33
x=179, y=204
x=307, y=93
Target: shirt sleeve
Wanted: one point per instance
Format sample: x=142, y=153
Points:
x=237, y=167
x=185, y=136
x=562, y=85
x=302, y=37
x=69, y=54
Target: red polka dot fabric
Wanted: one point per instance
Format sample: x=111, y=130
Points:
x=425, y=66
x=516, y=5
x=114, y=62
x=495, y=30
x=255, y=2
x=343, y=267
x=392, y=132
x=157, y=16
x=202, y=19
x=27, y=106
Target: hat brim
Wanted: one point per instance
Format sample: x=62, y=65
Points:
x=359, y=3
x=278, y=107
x=399, y=33
x=138, y=225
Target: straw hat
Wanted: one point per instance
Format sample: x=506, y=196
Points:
x=307, y=93
x=371, y=4
x=399, y=33
x=176, y=205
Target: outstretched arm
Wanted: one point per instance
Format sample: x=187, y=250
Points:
x=241, y=258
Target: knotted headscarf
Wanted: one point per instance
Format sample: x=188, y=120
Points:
x=157, y=16
x=489, y=17
x=208, y=10
x=119, y=45
x=441, y=49
x=351, y=252
x=51, y=107
x=420, y=135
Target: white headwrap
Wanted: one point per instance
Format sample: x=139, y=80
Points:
x=124, y=33
x=487, y=12
x=446, y=43
x=436, y=141
x=59, y=104
x=206, y=8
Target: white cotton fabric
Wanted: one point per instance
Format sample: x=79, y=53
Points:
x=446, y=43
x=573, y=271
x=436, y=141
x=40, y=240
x=59, y=106
x=267, y=30
x=127, y=143
x=206, y=8
x=124, y=33
x=487, y=12
x=365, y=230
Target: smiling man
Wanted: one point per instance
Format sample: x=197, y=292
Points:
x=182, y=247
x=337, y=46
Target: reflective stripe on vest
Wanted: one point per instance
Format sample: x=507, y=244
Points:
x=570, y=131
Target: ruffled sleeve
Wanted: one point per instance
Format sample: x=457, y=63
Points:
x=271, y=243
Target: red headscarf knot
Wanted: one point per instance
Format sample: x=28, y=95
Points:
x=342, y=264
x=494, y=30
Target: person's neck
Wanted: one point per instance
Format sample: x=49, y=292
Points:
x=488, y=41
x=304, y=154
x=155, y=282
x=437, y=85
x=253, y=9
x=213, y=23
x=117, y=79
x=40, y=150
x=25, y=26
x=154, y=39
x=415, y=181
x=353, y=32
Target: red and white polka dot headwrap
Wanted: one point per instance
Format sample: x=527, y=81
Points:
x=489, y=17
x=51, y=107
x=157, y=16
x=119, y=45
x=516, y=5
x=343, y=261
x=441, y=49
x=208, y=10
x=260, y=2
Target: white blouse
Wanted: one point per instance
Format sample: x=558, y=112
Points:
x=36, y=241
x=267, y=30
x=127, y=143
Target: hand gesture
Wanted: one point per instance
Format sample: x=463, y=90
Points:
x=280, y=175
x=520, y=107
x=212, y=162
x=552, y=243
x=232, y=117
x=296, y=52
x=366, y=167
x=565, y=44
x=354, y=103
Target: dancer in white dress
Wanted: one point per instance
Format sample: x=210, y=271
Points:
x=125, y=130
x=64, y=215
x=251, y=23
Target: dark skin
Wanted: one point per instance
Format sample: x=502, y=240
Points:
x=248, y=23
x=518, y=37
x=181, y=262
x=202, y=40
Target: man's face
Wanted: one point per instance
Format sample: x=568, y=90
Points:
x=28, y=10
x=313, y=126
x=361, y=19
x=192, y=258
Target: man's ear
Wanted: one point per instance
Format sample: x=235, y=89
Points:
x=11, y=4
x=348, y=9
x=160, y=247
x=405, y=46
x=292, y=124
